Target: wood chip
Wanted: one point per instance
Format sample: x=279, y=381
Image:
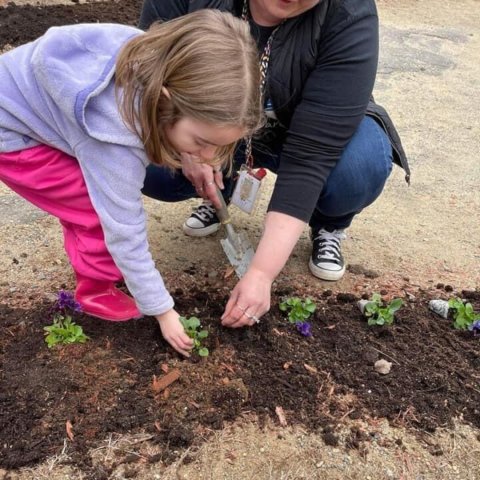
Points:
x=228, y=367
x=69, y=428
x=309, y=368
x=281, y=416
x=160, y=384
x=164, y=368
x=330, y=392
x=278, y=332
x=157, y=425
x=229, y=272
x=287, y=365
x=195, y=404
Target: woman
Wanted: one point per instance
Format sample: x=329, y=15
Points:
x=331, y=146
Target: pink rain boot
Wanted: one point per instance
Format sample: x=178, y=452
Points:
x=103, y=300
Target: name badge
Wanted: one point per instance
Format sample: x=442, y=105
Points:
x=248, y=188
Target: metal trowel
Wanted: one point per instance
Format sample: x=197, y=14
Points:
x=236, y=246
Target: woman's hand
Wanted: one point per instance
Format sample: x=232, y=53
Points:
x=202, y=177
x=173, y=332
x=250, y=300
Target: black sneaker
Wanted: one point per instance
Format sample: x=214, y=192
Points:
x=326, y=261
x=203, y=221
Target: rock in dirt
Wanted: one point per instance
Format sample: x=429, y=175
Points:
x=440, y=307
x=50, y=297
x=359, y=270
x=383, y=367
x=212, y=277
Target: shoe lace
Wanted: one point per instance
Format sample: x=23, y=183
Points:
x=329, y=243
x=205, y=211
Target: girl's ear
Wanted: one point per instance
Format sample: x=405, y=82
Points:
x=166, y=93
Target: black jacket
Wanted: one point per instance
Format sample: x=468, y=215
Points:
x=322, y=71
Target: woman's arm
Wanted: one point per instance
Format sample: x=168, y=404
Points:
x=334, y=101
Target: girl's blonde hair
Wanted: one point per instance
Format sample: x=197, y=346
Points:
x=208, y=62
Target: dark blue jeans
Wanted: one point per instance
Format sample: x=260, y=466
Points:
x=356, y=181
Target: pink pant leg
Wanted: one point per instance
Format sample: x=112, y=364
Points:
x=53, y=181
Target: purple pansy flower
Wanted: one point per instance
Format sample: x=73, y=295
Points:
x=475, y=327
x=304, y=328
x=66, y=300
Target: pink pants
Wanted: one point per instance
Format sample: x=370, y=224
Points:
x=53, y=181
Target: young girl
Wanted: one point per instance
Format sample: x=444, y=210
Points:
x=85, y=108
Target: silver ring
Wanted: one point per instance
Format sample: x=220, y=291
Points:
x=209, y=183
x=252, y=317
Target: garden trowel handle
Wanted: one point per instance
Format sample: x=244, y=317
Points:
x=222, y=212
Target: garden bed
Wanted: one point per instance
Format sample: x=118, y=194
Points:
x=107, y=385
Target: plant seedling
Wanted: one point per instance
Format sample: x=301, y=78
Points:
x=298, y=312
x=378, y=313
x=463, y=314
x=64, y=330
x=190, y=325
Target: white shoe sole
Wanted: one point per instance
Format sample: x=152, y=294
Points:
x=200, y=232
x=329, y=275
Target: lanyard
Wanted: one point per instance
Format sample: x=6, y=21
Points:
x=263, y=65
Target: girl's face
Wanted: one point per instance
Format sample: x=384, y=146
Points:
x=273, y=12
x=201, y=139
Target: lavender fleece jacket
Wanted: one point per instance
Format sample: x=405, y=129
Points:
x=59, y=91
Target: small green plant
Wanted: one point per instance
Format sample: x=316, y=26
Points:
x=190, y=325
x=378, y=313
x=463, y=314
x=64, y=330
x=298, y=312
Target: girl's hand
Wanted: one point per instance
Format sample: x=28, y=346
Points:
x=202, y=177
x=250, y=300
x=173, y=332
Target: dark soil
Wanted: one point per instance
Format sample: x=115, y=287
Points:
x=105, y=386
x=23, y=23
